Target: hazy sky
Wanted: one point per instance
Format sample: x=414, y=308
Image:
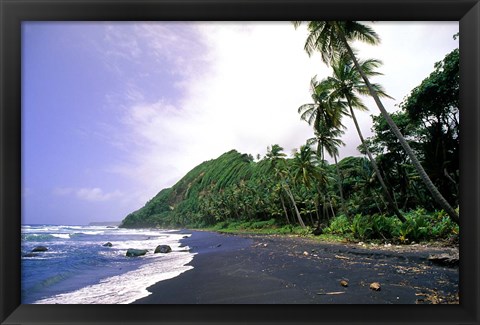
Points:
x=114, y=112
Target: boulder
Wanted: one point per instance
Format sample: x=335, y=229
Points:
x=132, y=252
x=109, y=244
x=40, y=249
x=445, y=259
x=318, y=231
x=163, y=249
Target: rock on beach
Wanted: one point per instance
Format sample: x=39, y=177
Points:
x=163, y=249
x=132, y=252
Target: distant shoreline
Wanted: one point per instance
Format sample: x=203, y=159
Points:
x=262, y=269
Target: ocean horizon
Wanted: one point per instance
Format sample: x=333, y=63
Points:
x=77, y=268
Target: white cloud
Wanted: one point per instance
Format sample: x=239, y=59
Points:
x=408, y=51
x=243, y=83
x=245, y=98
x=96, y=194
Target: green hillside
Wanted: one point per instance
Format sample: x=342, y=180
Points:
x=378, y=195
x=235, y=192
x=185, y=202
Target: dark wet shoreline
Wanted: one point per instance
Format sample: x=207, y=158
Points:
x=258, y=269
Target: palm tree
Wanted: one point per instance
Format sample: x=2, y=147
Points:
x=347, y=83
x=276, y=157
x=327, y=140
x=308, y=169
x=304, y=166
x=323, y=107
x=331, y=39
x=325, y=114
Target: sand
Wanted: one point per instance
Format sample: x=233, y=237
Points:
x=260, y=269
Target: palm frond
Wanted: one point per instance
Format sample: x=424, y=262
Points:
x=357, y=31
x=296, y=23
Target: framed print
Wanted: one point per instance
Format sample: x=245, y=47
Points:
x=217, y=161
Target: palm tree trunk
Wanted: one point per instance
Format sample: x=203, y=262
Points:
x=311, y=219
x=392, y=204
x=284, y=208
x=325, y=209
x=317, y=203
x=331, y=207
x=437, y=196
x=340, y=188
x=290, y=195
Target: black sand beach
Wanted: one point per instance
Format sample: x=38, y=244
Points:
x=253, y=269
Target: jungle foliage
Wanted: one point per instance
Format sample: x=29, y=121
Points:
x=303, y=193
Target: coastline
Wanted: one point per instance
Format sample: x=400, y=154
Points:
x=76, y=266
x=265, y=269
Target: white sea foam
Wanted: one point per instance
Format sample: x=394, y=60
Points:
x=155, y=240
x=89, y=232
x=64, y=236
x=130, y=286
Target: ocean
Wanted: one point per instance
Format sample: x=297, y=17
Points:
x=78, y=269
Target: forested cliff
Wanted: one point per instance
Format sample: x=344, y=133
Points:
x=303, y=189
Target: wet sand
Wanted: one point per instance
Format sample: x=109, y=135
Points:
x=258, y=269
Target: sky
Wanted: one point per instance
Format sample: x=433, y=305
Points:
x=113, y=112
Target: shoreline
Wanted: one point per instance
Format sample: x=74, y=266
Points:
x=272, y=269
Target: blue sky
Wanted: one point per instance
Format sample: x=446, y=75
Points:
x=114, y=112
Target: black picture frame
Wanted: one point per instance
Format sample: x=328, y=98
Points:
x=13, y=12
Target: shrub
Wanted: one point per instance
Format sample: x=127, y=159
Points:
x=221, y=225
x=263, y=224
x=339, y=225
x=384, y=227
x=361, y=227
x=302, y=231
x=410, y=229
x=442, y=226
x=286, y=229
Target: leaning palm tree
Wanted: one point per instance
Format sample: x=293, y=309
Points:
x=327, y=140
x=307, y=170
x=346, y=83
x=323, y=107
x=332, y=39
x=325, y=115
x=277, y=166
x=304, y=166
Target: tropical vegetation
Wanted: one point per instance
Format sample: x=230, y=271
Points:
x=402, y=188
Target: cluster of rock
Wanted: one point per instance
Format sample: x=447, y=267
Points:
x=445, y=259
x=134, y=252
x=131, y=252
